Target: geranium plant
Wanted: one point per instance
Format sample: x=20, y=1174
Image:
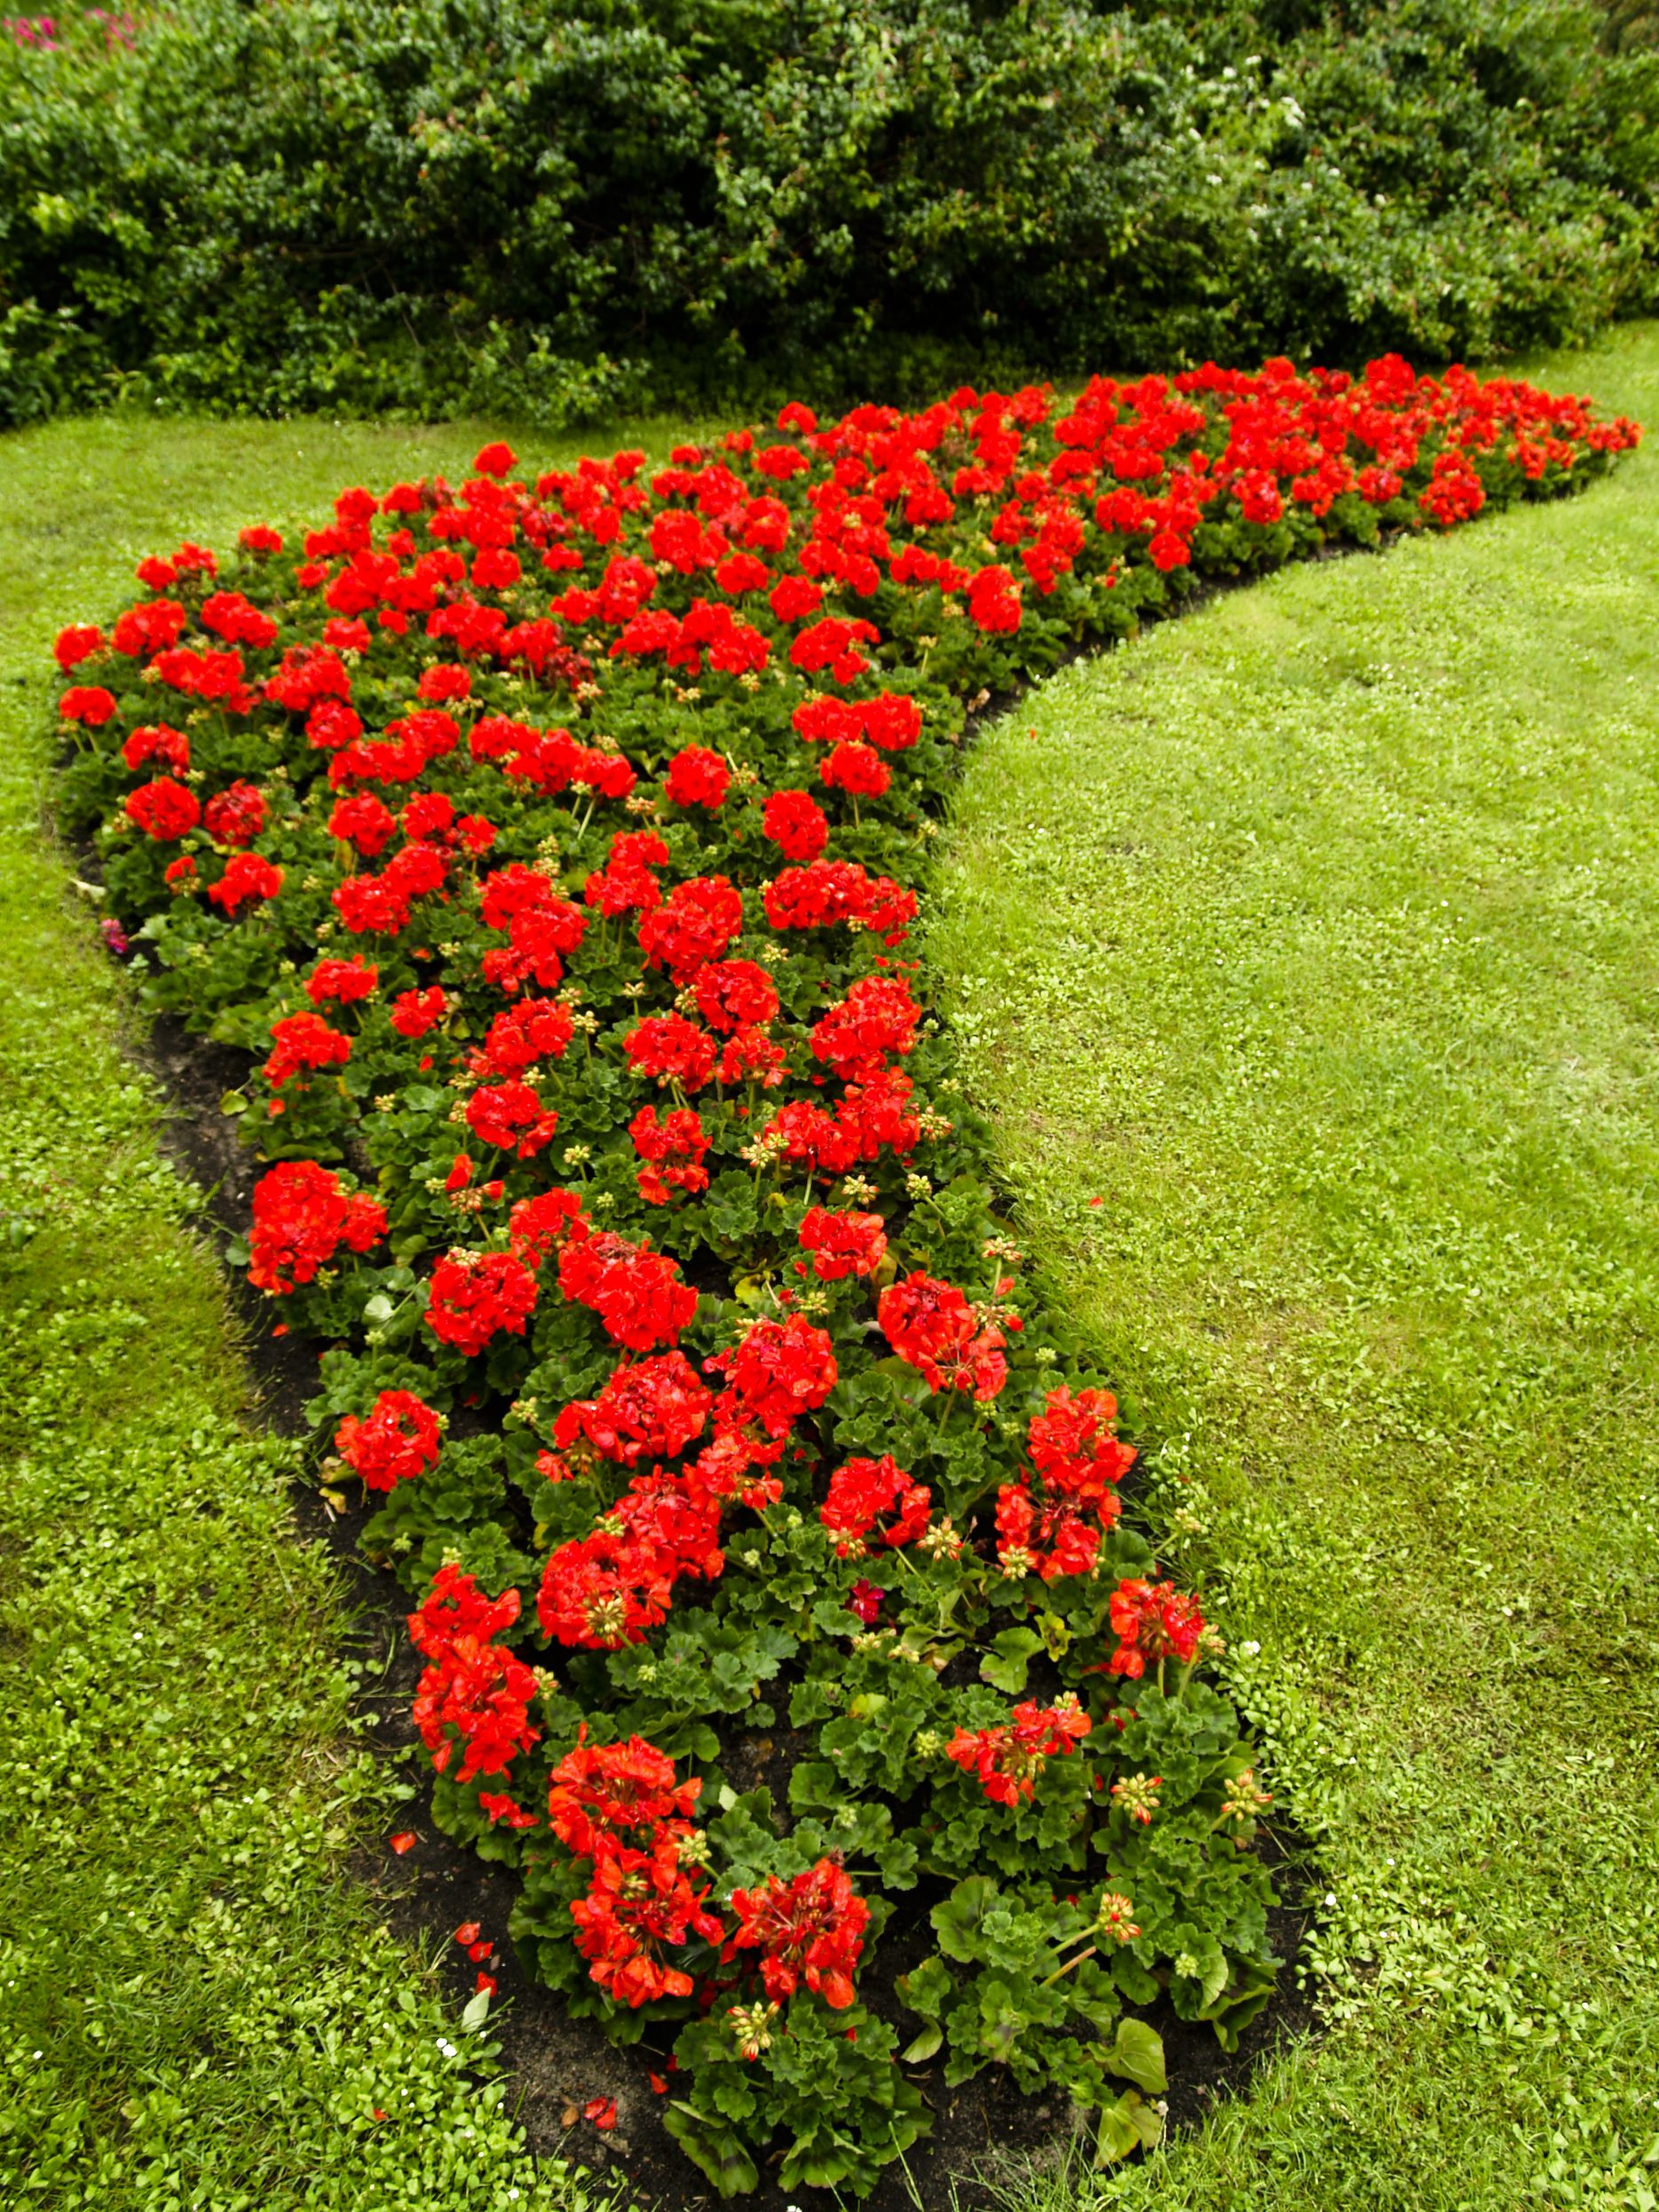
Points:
x=554, y=848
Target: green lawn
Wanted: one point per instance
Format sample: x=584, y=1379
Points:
x=1318, y=937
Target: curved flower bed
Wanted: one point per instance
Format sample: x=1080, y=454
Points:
x=558, y=847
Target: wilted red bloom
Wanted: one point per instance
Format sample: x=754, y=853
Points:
x=861, y=1493
x=1009, y=1761
x=302, y=1043
x=478, y=1296
x=301, y=1217
x=843, y=1244
x=1153, y=1621
x=809, y=1930
x=397, y=1440
x=649, y=1409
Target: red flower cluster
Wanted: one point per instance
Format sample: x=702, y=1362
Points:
x=933, y=1329
x=650, y=1408
x=302, y=1215
x=780, y=1370
x=342, y=983
x=303, y=1043
x=673, y=1151
x=1009, y=1761
x=602, y=1795
x=397, y=1440
x=478, y=1296
x=636, y=1292
x=511, y=1116
x=809, y=1930
x=1073, y=1443
x=248, y=878
x=860, y=1493
x=473, y=1695
x=694, y=924
x=1153, y=1621
x=671, y=1048
x=640, y=1904
x=523, y=1036
x=877, y=1017
x=843, y=1244
x=1047, y=1537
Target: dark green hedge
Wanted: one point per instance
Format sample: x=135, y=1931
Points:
x=543, y=207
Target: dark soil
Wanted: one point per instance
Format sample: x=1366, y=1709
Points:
x=981, y=2130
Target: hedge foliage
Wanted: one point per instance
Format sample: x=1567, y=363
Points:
x=548, y=207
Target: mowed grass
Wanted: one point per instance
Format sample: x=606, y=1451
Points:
x=1316, y=936
x=197, y=2007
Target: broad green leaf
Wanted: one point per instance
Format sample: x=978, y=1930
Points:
x=1137, y=2055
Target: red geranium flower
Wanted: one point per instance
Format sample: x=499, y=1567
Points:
x=809, y=1930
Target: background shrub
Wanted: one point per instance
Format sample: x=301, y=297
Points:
x=547, y=208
